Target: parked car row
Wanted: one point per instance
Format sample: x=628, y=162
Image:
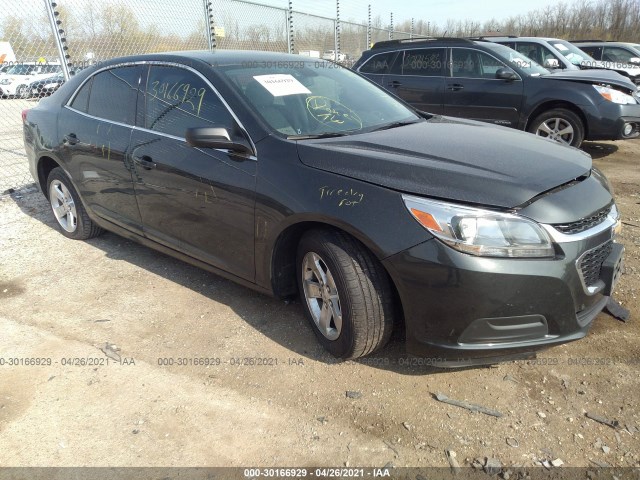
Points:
x=17, y=80
x=480, y=242
x=482, y=79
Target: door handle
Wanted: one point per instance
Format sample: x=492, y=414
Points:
x=70, y=139
x=455, y=87
x=145, y=162
x=394, y=83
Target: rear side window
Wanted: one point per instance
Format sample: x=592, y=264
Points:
x=616, y=54
x=428, y=62
x=81, y=100
x=113, y=94
x=595, y=52
x=177, y=99
x=378, y=64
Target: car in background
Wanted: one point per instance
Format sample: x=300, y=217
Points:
x=558, y=54
x=489, y=82
x=15, y=81
x=46, y=86
x=482, y=243
x=334, y=56
x=619, y=54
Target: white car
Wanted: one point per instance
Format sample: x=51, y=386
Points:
x=15, y=81
x=333, y=56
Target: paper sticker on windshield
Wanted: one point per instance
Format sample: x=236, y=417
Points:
x=560, y=47
x=280, y=84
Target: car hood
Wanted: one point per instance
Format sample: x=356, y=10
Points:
x=454, y=159
x=592, y=76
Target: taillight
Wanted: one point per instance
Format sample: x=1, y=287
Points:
x=24, y=115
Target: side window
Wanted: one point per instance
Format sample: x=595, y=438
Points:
x=595, y=52
x=538, y=53
x=113, y=94
x=428, y=62
x=615, y=54
x=177, y=99
x=378, y=64
x=81, y=100
x=467, y=63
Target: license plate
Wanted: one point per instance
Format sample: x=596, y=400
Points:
x=612, y=268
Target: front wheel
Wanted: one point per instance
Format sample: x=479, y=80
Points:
x=67, y=207
x=346, y=293
x=560, y=125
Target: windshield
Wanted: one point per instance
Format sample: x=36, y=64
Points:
x=315, y=98
x=571, y=52
x=21, y=70
x=522, y=63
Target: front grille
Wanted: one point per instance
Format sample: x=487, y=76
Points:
x=591, y=263
x=584, y=223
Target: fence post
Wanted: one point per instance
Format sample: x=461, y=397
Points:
x=58, y=37
x=391, y=28
x=412, y=25
x=208, y=19
x=290, y=33
x=337, y=38
x=369, y=28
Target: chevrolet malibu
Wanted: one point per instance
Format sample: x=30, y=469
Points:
x=295, y=176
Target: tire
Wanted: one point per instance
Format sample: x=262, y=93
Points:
x=68, y=209
x=336, y=270
x=551, y=123
x=22, y=91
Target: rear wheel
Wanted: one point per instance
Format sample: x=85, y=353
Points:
x=22, y=91
x=346, y=293
x=560, y=125
x=67, y=207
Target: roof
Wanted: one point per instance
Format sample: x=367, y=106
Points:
x=216, y=57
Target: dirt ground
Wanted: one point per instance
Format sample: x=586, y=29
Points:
x=61, y=301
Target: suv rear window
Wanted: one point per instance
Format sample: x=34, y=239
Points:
x=378, y=64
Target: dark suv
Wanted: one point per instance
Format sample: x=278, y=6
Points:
x=489, y=82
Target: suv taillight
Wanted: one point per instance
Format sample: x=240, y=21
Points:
x=24, y=115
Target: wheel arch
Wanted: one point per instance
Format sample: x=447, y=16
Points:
x=551, y=104
x=283, y=259
x=44, y=167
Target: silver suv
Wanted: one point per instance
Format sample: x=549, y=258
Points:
x=558, y=54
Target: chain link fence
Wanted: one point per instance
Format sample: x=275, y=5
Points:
x=44, y=41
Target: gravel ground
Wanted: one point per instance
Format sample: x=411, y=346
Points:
x=106, y=317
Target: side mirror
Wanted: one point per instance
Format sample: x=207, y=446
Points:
x=635, y=60
x=551, y=63
x=506, y=74
x=214, y=137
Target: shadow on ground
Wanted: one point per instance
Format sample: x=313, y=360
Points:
x=598, y=149
x=282, y=322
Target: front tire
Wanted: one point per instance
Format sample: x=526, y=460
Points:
x=346, y=293
x=560, y=125
x=67, y=208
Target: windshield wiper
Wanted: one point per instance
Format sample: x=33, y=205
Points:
x=395, y=125
x=317, y=135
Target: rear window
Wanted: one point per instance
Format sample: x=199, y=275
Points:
x=81, y=100
x=379, y=64
x=114, y=94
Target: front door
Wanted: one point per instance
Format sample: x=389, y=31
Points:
x=473, y=91
x=197, y=200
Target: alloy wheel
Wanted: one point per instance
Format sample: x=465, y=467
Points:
x=557, y=129
x=321, y=295
x=64, y=208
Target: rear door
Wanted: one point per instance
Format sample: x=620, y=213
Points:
x=473, y=91
x=417, y=76
x=95, y=128
x=378, y=66
x=196, y=200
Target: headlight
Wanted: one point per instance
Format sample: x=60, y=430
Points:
x=615, y=96
x=6, y=81
x=481, y=232
x=615, y=216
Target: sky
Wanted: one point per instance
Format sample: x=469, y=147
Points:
x=437, y=11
